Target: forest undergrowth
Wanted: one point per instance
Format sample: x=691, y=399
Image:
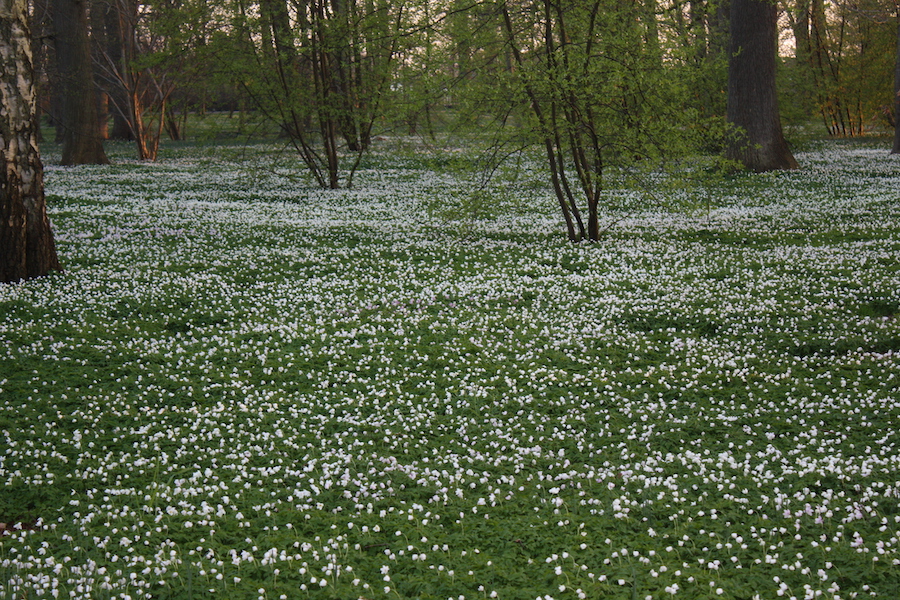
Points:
x=246, y=387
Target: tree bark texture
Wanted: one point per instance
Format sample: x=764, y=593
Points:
x=26, y=242
x=80, y=133
x=752, y=97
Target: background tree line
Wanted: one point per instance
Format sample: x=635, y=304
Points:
x=329, y=72
x=609, y=90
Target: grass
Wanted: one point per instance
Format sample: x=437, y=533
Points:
x=244, y=387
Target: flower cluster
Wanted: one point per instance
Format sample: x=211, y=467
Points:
x=249, y=389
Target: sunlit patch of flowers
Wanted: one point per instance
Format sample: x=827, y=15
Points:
x=243, y=387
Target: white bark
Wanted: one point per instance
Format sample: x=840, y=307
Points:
x=26, y=242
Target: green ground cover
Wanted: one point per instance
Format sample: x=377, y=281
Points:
x=244, y=387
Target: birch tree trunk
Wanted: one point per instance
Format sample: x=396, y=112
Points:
x=26, y=241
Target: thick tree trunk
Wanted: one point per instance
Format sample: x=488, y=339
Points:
x=752, y=97
x=80, y=136
x=26, y=241
x=103, y=115
x=98, y=40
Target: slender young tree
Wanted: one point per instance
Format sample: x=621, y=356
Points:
x=752, y=97
x=142, y=92
x=843, y=63
x=322, y=71
x=26, y=242
x=896, y=148
x=80, y=133
x=106, y=33
x=603, y=105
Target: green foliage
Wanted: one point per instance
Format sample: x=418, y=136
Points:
x=842, y=69
x=247, y=383
x=610, y=104
x=321, y=73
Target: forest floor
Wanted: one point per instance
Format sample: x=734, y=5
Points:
x=245, y=387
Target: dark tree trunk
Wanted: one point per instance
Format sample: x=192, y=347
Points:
x=719, y=28
x=896, y=148
x=339, y=50
x=752, y=97
x=80, y=135
x=43, y=77
x=98, y=40
x=103, y=115
x=698, y=17
x=26, y=241
x=118, y=95
x=173, y=128
x=279, y=38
